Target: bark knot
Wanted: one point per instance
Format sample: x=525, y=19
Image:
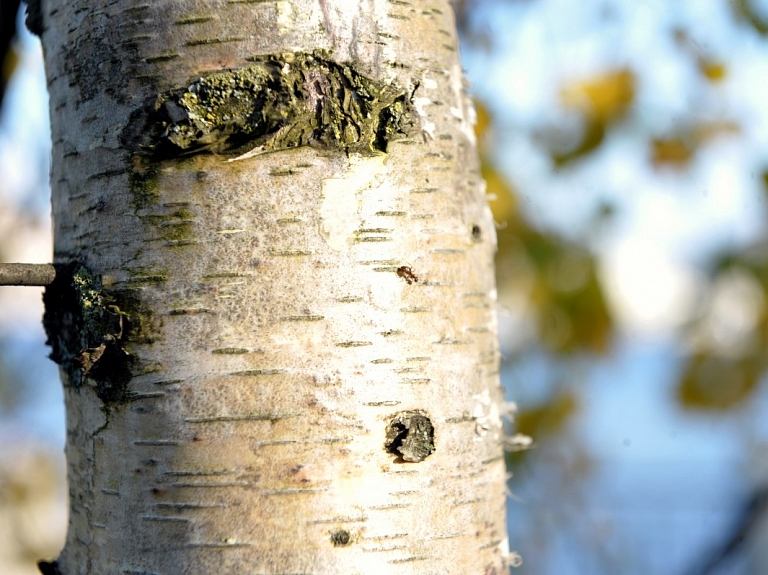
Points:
x=340, y=538
x=411, y=436
x=277, y=102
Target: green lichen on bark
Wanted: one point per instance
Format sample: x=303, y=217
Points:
x=275, y=103
x=87, y=330
x=143, y=186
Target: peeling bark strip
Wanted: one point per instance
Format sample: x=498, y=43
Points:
x=278, y=102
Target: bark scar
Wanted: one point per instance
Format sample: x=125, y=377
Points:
x=275, y=103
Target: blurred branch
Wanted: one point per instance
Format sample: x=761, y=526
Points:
x=744, y=9
x=9, y=9
x=749, y=518
x=26, y=274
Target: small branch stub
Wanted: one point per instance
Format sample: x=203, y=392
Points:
x=411, y=436
x=26, y=274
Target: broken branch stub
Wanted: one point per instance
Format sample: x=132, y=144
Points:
x=87, y=331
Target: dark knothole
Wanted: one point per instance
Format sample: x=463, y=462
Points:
x=340, y=538
x=410, y=436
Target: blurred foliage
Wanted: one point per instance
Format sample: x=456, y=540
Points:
x=746, y=12
x=548, y=419
x=600, y=102
x=730, y=333
x=717, y=382
x=557, y=277
x=552, y=282
x=9, y=388
x=606, y=98
x=8, y=55
x=679, y=148
x=32, y=507
x=713, y=70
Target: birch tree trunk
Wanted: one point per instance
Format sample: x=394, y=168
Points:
x=274, y=313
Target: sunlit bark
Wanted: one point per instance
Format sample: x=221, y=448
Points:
x=273, y=336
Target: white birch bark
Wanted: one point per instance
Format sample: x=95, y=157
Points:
x=277, y=339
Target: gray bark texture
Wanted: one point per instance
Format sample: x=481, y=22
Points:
x=274, y=307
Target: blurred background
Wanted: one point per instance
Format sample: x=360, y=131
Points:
x=625, y=148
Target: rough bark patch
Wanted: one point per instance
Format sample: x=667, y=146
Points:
x=86, y=330
x=275, y=103
x=411, y=436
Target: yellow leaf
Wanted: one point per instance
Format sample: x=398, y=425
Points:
x=483, y=120
x=593, y=136
x=710, y=130
x=671, y=151
x=712, y=71
x=716, y=382
x=501, y=196
x=547, y=419
x=605, y=97
x=679, y=149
